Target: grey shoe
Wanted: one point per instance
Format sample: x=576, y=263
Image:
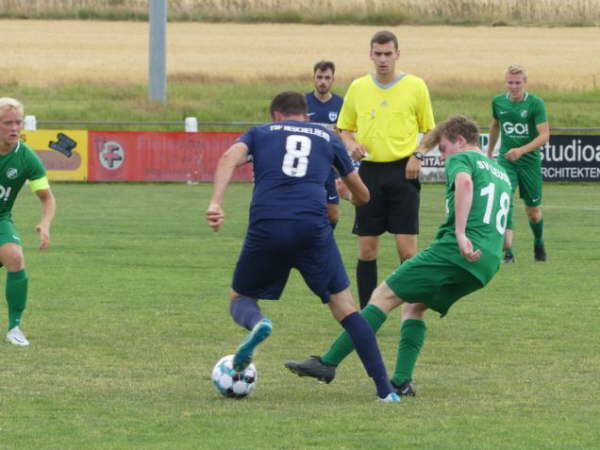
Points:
x=406, y=389
x=312, y=367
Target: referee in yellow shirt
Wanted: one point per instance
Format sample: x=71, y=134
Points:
x=380, y=120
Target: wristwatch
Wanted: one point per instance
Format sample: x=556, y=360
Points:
x=419, y=156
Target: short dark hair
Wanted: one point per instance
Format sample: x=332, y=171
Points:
x=383, y=37
x=289, y=103
x=323, y=66
x=459, y=126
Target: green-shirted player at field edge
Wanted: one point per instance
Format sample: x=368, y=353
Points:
x=520, y=119
x=18, y=163
x=463, y=258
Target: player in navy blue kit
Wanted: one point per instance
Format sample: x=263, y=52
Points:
x=288, y=228
x=324, y=107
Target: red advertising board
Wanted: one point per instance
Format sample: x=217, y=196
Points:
x=158, y=156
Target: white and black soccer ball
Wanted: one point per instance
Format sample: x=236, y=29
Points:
x=231, y=383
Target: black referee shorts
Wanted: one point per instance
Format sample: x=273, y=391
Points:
x=394, y=204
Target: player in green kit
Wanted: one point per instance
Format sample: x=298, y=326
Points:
x=18, y=163
x=462, y=259
x=520, y=119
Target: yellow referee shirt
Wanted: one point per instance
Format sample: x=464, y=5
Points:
x=387, y=119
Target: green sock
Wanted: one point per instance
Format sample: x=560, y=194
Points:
x=343, y=345
x=538, y=232
x=412, y=336
x=16, y=296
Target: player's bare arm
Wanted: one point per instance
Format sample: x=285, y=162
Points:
x=463, y=199
x=357, y=151
x=358, y=194
x=543, y=136
x=48, y=210
x=413, y=167
x=342, y=190
x=494, y=133
x=235, y=156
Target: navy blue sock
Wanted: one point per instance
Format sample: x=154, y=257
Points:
x=363, y=337
x=245, y=312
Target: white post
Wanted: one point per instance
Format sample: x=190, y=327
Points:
x=157, y=89
x=191, y=125
x=30, y=123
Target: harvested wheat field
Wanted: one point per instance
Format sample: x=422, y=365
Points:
x=50, y=52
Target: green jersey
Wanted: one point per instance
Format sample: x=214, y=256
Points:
x=518, y=123
x=16, y=167
x=486, y=223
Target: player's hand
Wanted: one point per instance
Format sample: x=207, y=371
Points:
x=413, y=168
x=215, y=216
x=343, y=190
x=44, y=232
x=358, y=152
x=466, y=248
x=513, y=154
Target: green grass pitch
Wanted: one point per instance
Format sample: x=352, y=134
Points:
x=128, y=313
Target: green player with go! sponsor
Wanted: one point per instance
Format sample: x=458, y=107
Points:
x=18, y=164
x=521, y=121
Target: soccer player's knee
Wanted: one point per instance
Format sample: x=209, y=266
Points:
x=534, y=214
x=413, y=311
x=367, y=252
x=14, y=262
x=384, y=298
x=342, y=304
x=406, y=254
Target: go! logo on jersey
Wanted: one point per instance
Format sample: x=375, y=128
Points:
x=5, y=193
x=518, y=129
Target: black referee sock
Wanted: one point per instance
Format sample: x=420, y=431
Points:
x=366, y=280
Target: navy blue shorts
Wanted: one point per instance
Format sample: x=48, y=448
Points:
x=273, y=247
x=333, y=197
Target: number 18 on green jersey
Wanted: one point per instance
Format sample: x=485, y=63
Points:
x=488, y=216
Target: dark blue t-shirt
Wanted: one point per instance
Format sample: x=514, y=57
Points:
x=291, y=163
x=320, y=112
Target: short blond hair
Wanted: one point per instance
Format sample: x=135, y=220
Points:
x=516, y=69
x=8, y=103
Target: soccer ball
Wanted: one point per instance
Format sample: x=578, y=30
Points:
x=231, y=383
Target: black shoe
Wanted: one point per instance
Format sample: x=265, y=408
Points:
x=509, y=258
x=312, y=367
x=539, y=252
x=406, y=389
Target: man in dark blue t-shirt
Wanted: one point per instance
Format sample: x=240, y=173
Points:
x=288, y=227
x=324, y=107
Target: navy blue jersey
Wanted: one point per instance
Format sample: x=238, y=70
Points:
x=326, y=112
x=292, y=161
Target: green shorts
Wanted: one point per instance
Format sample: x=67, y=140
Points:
x=427, y=278
x=528, y=178
x=8, y=232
